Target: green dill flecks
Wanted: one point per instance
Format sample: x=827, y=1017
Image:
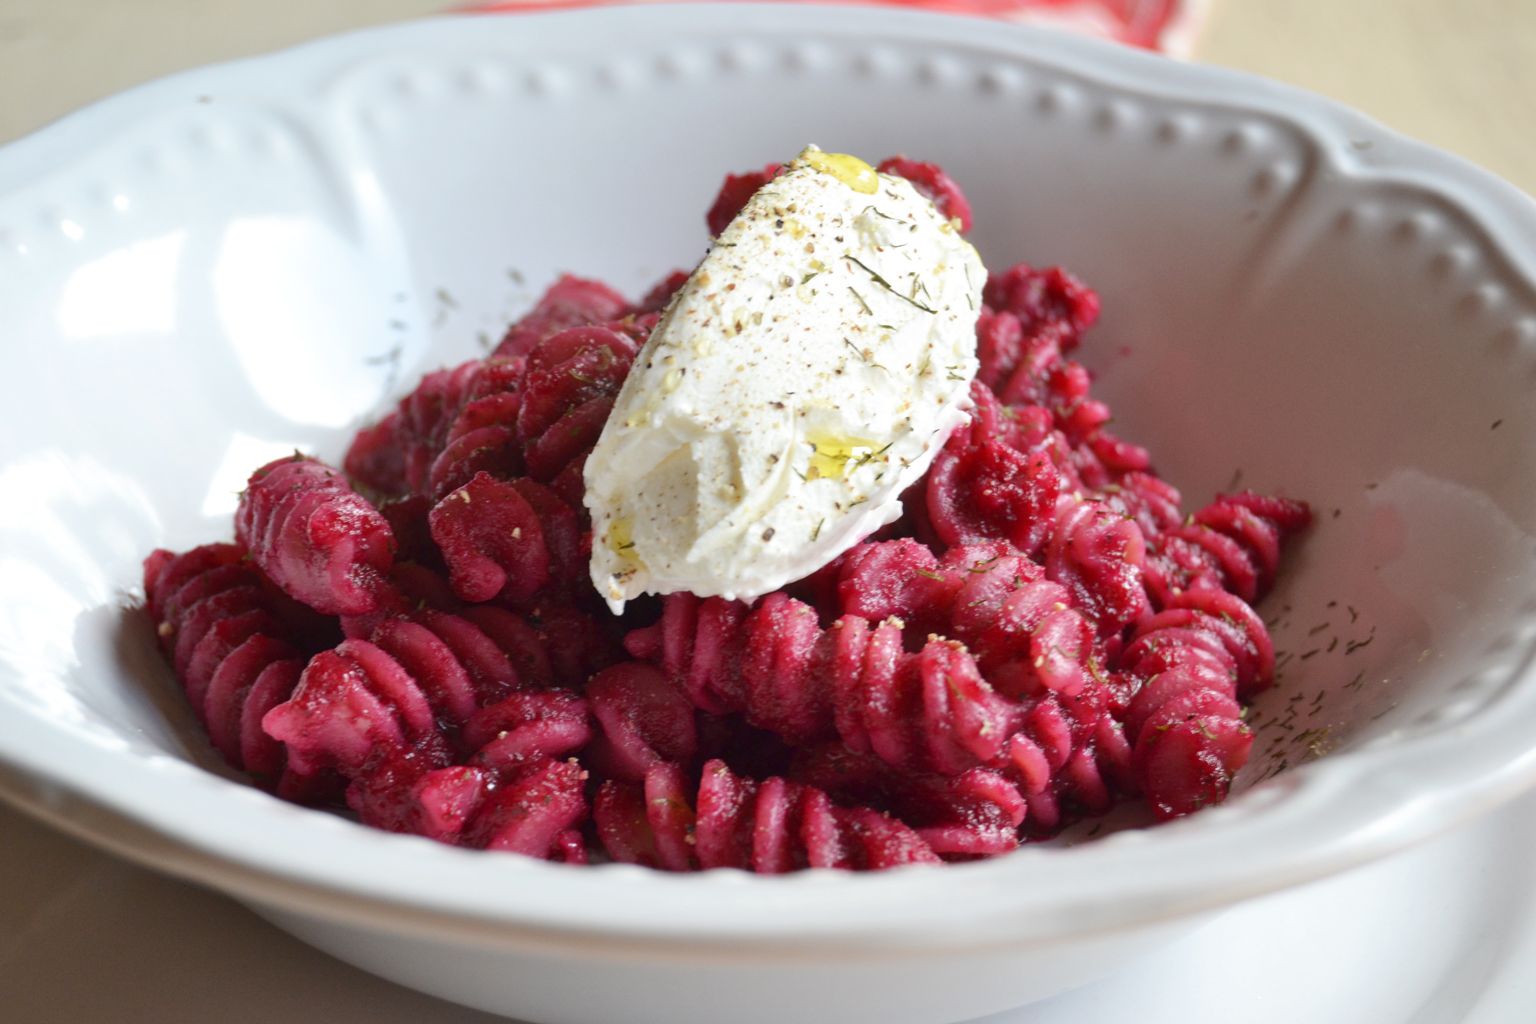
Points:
x=884, y=216
x=869, y=456
x=807, y=278
x=386, y=359
x=856, y=350
x=883, y=283
x=929, y=574
x=862, y=304
x=1355, y=645
x=819, y=524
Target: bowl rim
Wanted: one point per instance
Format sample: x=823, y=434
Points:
x=1313, y=821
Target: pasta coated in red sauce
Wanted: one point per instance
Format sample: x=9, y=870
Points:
x=1045, y=633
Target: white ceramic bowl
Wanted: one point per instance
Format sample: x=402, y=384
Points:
x=215, y=268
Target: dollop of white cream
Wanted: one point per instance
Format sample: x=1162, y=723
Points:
x=808, y=371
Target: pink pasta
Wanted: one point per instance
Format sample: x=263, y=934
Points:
x=569, y=302
x=925, y=710
x=772, y=826
x=1231, y=544
x=235, y=642
x=314, y=536
x=1189, y=666
x=1043, y=634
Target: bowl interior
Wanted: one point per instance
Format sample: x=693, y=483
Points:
x=260, y=258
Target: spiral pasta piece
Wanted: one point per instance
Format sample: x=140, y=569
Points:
x=1048, y=297
x=979, y=492
x=1070, y=757
x=219, y=624
x=928, y=710
x=437, y=732
x=512, y=540
x=643, y=719
x=976, y=813
x=570, y=302
x=1022, y=628
x=481, y=436
x=508, y=481
x=897, y=579
x=393, y=457
x=520, y=745
x=1151, y=501
x=492, y=540
x=462, y=420
x=533, y=808
x=411, y=679
x=1098, y=555
x=1231, y=544
x=1191, y=665
x=1033, y=645
x=1025, y=630
x=728, y=821
x=315, y=537
x=572, y=380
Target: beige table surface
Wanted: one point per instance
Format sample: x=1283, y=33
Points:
x=1457, y=73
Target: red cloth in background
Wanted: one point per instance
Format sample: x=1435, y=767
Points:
x=1166, y=25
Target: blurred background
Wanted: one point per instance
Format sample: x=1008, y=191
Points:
x=1460, y=74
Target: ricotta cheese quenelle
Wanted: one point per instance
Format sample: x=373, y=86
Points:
x=806, y=373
